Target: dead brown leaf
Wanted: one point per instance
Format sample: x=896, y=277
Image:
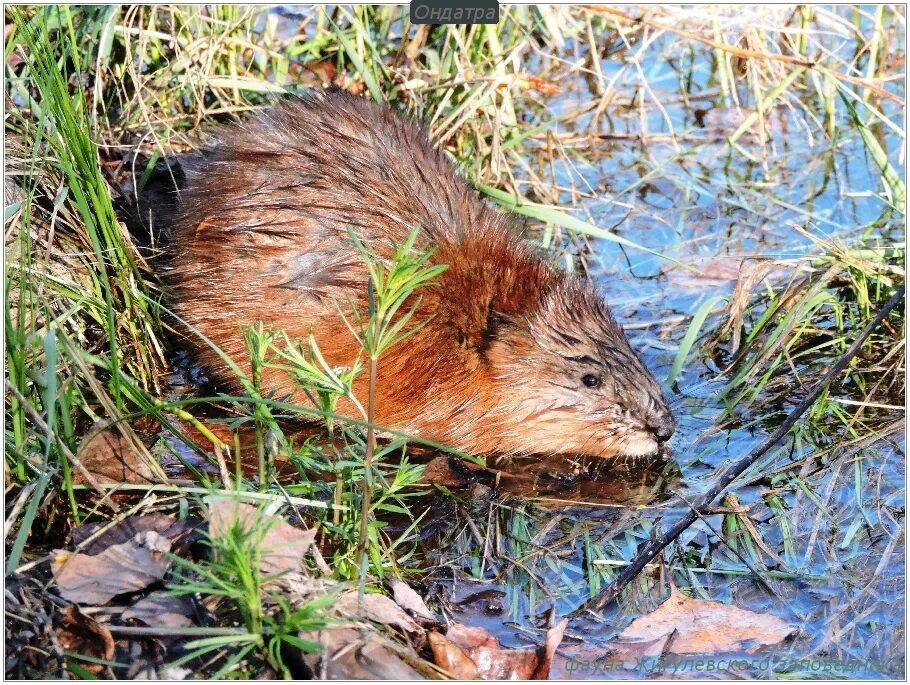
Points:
x=469, y=652
x=354, y=654
x=378, y=608
x=110, y=458
x=283, y=546
x=490, y=660
x=408, y=599
x=705, y=627
x=470, y=637
x=178, y=531
x=127, y=567
x=84, y=635
x=161, y=608
x=750, y=273
x=452, y=658
x=546, y=652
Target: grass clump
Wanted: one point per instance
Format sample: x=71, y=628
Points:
x=80, y=340
x=234, y=583
x=806, y=323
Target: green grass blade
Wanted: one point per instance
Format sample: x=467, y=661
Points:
x=557, y=217
x=894, y=184
x=689, y=340
x=28, y=518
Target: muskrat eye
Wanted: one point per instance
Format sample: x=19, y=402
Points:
x=591, y=380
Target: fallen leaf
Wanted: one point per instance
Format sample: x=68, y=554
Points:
x=408, y=599
x=110, y=458
x=301, y=588
x=378, y=608
x=84, y=635
x=178, y=531
x=451, y=658
x=505, y=664
x=127, y=567
x=490, y=660
x=469, y=637
x=355, y=654
x=283, y=545
x=705, y=627
x=470, y=652
x=162, y=609
x=546, y=652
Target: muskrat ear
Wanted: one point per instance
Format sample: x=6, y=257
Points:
x=494, y=322
x=478, y=330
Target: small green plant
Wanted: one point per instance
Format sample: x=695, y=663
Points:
x=244, y=594
x=394, y=483
x=350, y=453
x=323, y=385
x=389, y=287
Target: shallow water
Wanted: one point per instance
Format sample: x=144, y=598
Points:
x=700, y=202
x=829, y=518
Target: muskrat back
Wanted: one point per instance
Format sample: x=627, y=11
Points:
x=516, y=357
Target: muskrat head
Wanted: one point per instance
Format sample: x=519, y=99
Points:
x=570, y=383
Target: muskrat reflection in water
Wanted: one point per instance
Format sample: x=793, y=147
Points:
x=587, y=480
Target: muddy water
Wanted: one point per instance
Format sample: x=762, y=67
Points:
x=830, y=519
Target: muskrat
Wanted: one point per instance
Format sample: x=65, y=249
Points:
x=516, y=356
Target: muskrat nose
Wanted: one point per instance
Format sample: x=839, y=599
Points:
x=662, y=425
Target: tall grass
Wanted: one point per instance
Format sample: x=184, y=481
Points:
x=74, y=284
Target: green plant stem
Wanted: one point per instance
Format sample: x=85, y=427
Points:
x=260, y=454
x=367, y=484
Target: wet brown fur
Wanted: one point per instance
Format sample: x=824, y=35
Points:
x=263, y=237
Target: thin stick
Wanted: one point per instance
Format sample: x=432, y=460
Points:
x=172, y=631
x=239, y=494
x=700, y=506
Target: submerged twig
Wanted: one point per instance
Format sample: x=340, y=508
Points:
x=723, y=481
